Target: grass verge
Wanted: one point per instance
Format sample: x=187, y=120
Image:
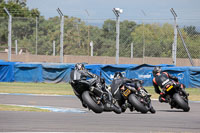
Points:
x=194, y=93
x=36, y=88
x=65, y=89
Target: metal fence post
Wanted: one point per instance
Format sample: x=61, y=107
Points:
x=16, y=50
x=174, y=45
x=131, y=50
x=9, y=34
x=54, y=45
x=36, y=35
x=91, y=45
x=61, y=34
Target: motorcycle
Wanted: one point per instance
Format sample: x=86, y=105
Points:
x=139, y=99
x=94, y=98
x=176, y=96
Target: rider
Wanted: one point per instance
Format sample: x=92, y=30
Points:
x=159, y=81
x=118, y=83
x=81, y=74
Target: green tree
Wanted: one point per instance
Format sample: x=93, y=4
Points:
x=17, y=8
x=156, y=39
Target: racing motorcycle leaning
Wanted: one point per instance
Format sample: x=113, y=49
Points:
x=176, y=95
x=138, y=98
x=94, y=98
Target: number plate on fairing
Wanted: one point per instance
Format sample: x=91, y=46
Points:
x=126, y=92
x=168, y=89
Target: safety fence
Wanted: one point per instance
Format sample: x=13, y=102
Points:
x=142, y=38
x=55, y=73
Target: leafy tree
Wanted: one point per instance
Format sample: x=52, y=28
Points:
x=17, y=8
x=156, y=40
x=191, y=30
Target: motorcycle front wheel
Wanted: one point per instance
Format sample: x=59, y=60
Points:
x=137, y=104
x=91, y=102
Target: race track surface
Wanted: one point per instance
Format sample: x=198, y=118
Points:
x=165, y=119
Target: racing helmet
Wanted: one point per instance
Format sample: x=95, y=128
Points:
x=156, y=70
x=79, y=66
x=118, y=75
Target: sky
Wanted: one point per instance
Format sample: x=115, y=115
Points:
x=100, y=10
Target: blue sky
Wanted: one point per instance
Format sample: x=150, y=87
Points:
x=102, y=9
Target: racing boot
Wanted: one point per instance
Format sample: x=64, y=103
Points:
x=131, y=108
x=124, y=107
x=162, y=99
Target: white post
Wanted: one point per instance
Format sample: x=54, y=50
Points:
x=174, y=45
x=16, y=51
x=54, y=45
x=91, y=45
x=36, y=35
x=131, y=50
x=9, y=34
x=143, y=44
x=61, y=38
x=61, y=34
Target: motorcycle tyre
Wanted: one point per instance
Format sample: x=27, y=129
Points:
x=152, y=110
x=137, y=104
x=91, y=104
x=117, y=109
x=183, y=105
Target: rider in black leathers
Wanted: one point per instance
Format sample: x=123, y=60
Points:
x=159, y=81
x=117, y=85
x=79, y=74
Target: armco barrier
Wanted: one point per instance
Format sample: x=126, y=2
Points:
x=45, y=72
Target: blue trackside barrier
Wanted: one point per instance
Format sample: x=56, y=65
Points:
x=55, y=73
x=6, y=71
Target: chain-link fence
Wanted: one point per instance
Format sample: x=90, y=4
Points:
x=148, y=40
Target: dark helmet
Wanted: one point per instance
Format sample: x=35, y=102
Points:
x=79, y=66
x=156, y=70
x=118, y=75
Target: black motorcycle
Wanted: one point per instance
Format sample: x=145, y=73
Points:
x=94, y=98
x=176, y=96
x=139, y=99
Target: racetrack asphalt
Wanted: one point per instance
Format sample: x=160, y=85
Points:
x=164, y=120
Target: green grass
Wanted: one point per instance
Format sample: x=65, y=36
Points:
x=194, y=93
x=18, y=108
x=65, y=89
x=36, y=88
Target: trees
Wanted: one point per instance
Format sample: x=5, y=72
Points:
x=21, y=27
x=155, y=40
x=17, y=8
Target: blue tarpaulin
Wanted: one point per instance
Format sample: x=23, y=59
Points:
x=194, y=77
x=6, y=71
x=45, y=72
x=56, y=73
x=28, y=72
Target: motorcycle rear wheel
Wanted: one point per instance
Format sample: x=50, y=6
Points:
x=179, y=100
x=137, y=104
x=91, y=103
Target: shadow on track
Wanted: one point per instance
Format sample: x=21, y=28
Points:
x=170, y=110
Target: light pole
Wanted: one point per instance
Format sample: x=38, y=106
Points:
x=117, y=11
